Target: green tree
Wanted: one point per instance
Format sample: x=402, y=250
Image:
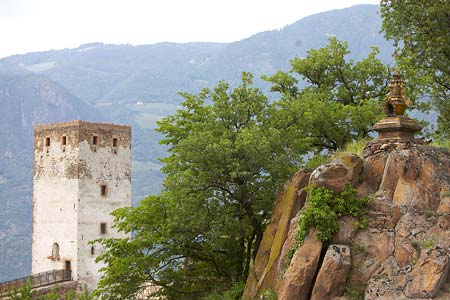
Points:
x=229, y=152
x=339, y=101
x=421, y=33
x=202, y=232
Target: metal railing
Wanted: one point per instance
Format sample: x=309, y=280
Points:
x=36, y=280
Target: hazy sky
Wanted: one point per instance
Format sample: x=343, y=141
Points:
x=35, y=25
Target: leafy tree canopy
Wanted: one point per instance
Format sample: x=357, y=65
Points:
x=230, y=150
x=339, y=103
x=421, y=33
x=201, y=233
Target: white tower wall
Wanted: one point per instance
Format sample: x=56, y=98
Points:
x=68, y=202
x=114, y=171
x=55, y=221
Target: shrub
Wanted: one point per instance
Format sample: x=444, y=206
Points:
x=355, y=147
x=415, y=245
x=429, y=243
x=234, y=293
x=269, y=295
x=355, y=294
x=323, y=210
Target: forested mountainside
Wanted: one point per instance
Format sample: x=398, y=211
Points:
x=26, y=100
x=111, y=74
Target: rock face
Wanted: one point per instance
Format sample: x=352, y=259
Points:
x=431, y=274
x=266, y=273
x=338, y=173
x=404, y=253
x=336, y=262
x=299, y=277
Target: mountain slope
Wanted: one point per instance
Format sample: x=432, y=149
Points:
x=101, y=73
x=26, y=100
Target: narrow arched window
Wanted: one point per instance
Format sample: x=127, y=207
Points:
x=55, y=251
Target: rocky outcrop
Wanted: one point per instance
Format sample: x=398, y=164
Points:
x=337, y=174
x=266, y=272
x=430, y=273
x=299, y=277
x=336, y=262
x=404, y=253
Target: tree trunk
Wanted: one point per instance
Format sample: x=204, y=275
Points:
x=248, y=256
x=257, y=227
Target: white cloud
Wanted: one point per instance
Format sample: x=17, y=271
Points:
x=32, y=25
x=10, y=8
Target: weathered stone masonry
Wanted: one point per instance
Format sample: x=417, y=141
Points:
x=82, y=172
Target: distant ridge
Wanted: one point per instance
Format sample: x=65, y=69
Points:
x=26, y=100
x=103, y=73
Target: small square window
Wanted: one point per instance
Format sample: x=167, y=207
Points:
x=47, y=142
x=115, y=141
x=95, y=140
x=64, y=140
x=92, y=250
x=103, y=228
x=104, y=190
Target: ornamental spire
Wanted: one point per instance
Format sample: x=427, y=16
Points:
x=396, y=128
x=397, y=102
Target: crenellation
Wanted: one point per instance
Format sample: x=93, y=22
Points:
x=41, y=132
x=79, y=131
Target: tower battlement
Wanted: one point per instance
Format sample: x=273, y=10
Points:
x=79, y=131
x=82, y=173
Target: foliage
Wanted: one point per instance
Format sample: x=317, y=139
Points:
x=428, y=213
x=421, y=33
x=229, y=152
x=355, y=293
x=269, y=295
x=323, y=210
x=429, y=243
x=340, y=102
x=360, y=248
x=70, y=295
x=53, y=295
x=318, y=160
x=441, y=143
x=355, y=147
x=25, y=292
x=416, y=245
x=234, y=293
x=113, y=74
x=200, y=234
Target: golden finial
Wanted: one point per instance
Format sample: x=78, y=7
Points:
x=397, y=102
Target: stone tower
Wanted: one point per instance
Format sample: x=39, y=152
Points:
x=82, y=172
